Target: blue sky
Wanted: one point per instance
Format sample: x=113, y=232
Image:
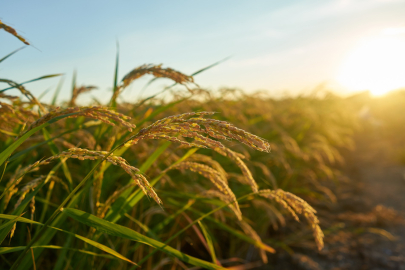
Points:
x=275, y=45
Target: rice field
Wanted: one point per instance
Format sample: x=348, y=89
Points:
x=201, y=179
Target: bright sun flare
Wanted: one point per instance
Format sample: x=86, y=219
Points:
x=377, y=65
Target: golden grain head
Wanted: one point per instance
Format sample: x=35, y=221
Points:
x=187, y=125
x=80, y=90
x=234, y=206
x=252, y=233
x=12, y=31
x=295, y=205
x=216, y=178
x=94, y=112
x=158, y=72
x=86, y=154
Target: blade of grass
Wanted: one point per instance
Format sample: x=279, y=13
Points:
x=113, y=102
x=11, y=222
x=9, y=150
x=208, y=239
x=57, y=91
x=74, y=77
x=8, y=132
x=192, y=223
x=144, y=227
x=88, y=241
x=123, y=199
x=127, y=203
x=170, y=218
x=123, y=149
x=47, y=200
x=43, y=93
x=59, y=221
x=57, y=211
x=60, y=263
x=124, y=232
x=6, y=230
x=34, y=80
x=10, y=54
x=24, y=203
x=55, y=151
x=27, y=150
x=5, y=250
x=229, y=229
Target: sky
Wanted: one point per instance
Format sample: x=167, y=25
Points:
x=278, y=46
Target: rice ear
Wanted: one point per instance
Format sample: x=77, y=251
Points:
x=13, y=32
x=296, y=205
x=158, y=72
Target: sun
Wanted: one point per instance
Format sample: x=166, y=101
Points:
x=377, y=65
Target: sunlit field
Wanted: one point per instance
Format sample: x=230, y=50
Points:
x=196, y=179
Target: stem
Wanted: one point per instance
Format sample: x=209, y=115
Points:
x=58, y=210
x=188, y=226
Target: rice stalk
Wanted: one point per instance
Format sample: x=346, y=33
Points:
x=95, y=112
x=79, y=90
x=25, y=92
x=12, y=31
x=216, y=178
x=252, y=233
x=296, y=205
x=85, y=154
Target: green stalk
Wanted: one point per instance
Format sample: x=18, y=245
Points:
x=188, y=226
x=58, y=210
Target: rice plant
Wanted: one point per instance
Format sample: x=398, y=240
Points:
x=188, y=187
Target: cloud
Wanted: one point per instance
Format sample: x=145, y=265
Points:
x=305, y=12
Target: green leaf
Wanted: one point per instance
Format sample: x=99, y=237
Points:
x=4, y=250
x=27, y=199
x=25, y=151
x=152, y=158
x=74, y=77
x=170, y=218
x=127, y=201
x=11, y=222
x=26, y=262
x=210, y=243
x=60, y=263
x=57, y=91
x=43, y=94
x=113, y=102
x=9, y=150
x=55, y=151
x=10, y=54
x=210, y=66
x=18, y=218
x=231, y=230
x=72, y=195
x=88, y=241
x=123, y=149
x=143, y=227
x=130, y=200
x=124, y=232
x=34, y=80
x=6, y=230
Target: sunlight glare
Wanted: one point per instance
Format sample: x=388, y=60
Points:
x=377, y=65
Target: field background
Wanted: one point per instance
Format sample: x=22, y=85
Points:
x=343, y=156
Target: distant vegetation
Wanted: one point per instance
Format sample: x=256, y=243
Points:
x=74, y=178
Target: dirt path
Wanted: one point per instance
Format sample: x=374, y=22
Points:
x=370, y=212
x=380, y=191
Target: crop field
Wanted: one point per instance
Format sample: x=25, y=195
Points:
x=199, y=179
